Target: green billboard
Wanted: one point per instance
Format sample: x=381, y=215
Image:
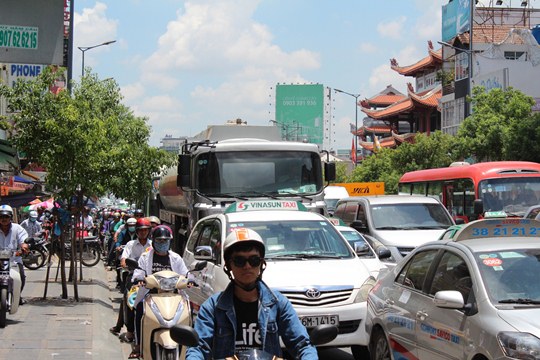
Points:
x=300, y=112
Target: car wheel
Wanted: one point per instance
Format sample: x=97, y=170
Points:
x=379, y=346
x=360, y=352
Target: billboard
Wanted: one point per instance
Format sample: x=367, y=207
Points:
x=300, y=112
x=456, y=18
x=32, y=31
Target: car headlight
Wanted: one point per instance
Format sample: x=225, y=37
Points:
x=519, y=345
x=364, y=289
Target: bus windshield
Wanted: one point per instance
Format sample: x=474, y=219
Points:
x=512, y=195
x=275, y=173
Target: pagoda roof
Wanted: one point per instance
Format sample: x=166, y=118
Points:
x=386, y=97
x=425, y=99
x=433, y=60
x=376, y=129
x=401, y=138
x=387, y=142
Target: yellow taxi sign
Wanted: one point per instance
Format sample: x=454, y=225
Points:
x=363, y=188
x=262, y=205
x=490, y=228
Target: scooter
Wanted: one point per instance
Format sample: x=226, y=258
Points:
x=187, y=336
x=38, y=254
x=163, y=310
x=10, y=287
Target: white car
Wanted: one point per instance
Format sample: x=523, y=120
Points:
x=371, y=254
x=475, y=296
x=324, y=280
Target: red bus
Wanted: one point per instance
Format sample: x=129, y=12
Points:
x=510, y=186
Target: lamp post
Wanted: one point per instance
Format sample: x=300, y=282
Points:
x=86, y=48
x=355, y=96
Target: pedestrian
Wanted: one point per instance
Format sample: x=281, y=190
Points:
x=225, y=320
x=31, y=225
x=12, y=237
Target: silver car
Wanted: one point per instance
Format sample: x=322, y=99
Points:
x=475, y=296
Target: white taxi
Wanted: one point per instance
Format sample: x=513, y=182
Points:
x=474, y=296
x=308, y=261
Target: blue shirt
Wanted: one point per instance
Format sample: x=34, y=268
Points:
x=216, y=326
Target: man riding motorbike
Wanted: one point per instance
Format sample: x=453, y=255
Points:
x=248, y=314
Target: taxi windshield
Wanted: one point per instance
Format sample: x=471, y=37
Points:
x=299, y=239
x=511, y=276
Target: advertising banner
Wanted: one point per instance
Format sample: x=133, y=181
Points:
x=456, y=18
x=32, y=31
x=300, y=111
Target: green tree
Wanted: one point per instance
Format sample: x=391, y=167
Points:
x=490, y=133
x=388, y=165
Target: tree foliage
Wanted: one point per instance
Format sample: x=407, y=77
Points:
x=497, y=125
x=86, y=140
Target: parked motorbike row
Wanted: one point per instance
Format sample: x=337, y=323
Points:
x=40, y=247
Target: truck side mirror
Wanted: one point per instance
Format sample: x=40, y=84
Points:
x=329, y=171
x=184, y=166
x=478, y=206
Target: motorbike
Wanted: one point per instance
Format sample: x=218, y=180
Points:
x=187, y=336
x=38, y=252
x=162, y=310
x=91, y=252
x=10, y=286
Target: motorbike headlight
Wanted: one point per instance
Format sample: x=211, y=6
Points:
x=519, y=345
x=5, y=254
x=168, y=284
x=364, y=289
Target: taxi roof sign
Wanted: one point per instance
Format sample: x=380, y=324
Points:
x=265, y=205
x=336, y=221
x=490, y=228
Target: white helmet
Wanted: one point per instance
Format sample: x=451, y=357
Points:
x=131, y=221
x=6, y=210
x=242, y=235
x=33, y=214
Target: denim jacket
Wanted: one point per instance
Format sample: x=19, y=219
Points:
x=216, y=326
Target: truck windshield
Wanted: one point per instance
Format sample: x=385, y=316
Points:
x=276, y=173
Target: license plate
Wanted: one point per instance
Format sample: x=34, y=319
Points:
x=312, y=321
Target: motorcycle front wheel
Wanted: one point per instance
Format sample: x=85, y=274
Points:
x=3, y=307
x=91, y=255
x=34, y=259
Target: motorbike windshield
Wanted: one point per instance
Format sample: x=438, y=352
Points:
x=259, y=173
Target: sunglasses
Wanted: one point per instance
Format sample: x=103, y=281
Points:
x=240, y=261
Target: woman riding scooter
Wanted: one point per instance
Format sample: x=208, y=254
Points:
x=158, y=258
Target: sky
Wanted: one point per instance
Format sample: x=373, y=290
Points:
x=187, y=64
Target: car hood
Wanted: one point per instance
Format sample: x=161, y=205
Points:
x=407, y=238
x=307, y=273
x=523, y=320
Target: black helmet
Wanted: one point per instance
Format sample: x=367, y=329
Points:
x=138, y=213
x=162, y=232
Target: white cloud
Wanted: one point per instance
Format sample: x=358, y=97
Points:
x=368, y=48
x=92, y=27
x=392, y=29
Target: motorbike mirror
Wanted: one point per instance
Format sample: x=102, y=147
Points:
x=200, y=265
x=132, y=264
x=323, y=334
x=184, y=335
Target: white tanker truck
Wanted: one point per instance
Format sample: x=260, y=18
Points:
x=211, y=175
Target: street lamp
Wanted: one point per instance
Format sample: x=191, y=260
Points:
x=355, y=96
x=86, y=48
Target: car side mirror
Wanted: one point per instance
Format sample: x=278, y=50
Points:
x=383, y=253
x=204, y=253
x=359, y=226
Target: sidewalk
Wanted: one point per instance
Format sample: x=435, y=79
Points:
x=55, y=328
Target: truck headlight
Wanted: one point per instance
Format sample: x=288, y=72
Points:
x=519, y=345
x=364, y=289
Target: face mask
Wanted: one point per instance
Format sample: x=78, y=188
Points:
x=131, y=228
x=161, y=247
x=32, y=219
